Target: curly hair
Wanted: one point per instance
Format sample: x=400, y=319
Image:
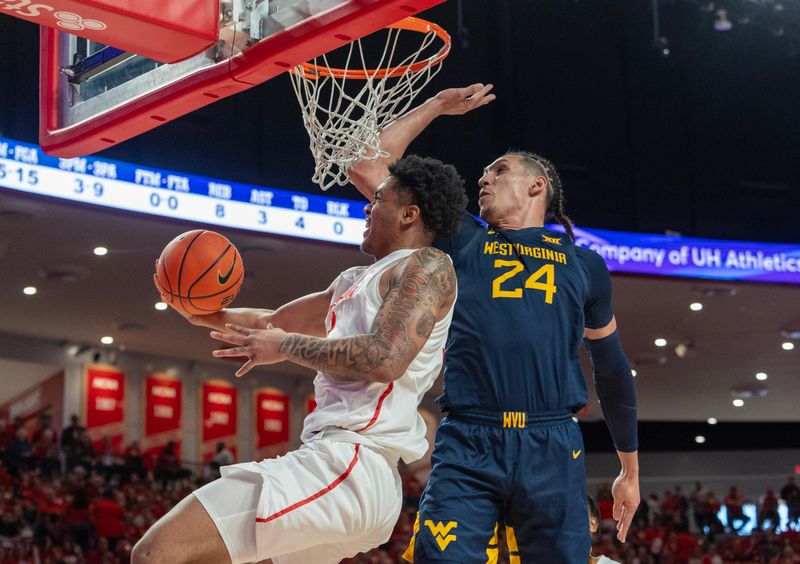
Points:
x=436, y=188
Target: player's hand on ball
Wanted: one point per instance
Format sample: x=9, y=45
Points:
x=260, y=346
x=191, y=318
x=457, y=101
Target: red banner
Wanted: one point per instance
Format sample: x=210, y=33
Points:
x=218, y=407
x=105, y=404
x=163, y=397
x=272, y=423
x=311, y=404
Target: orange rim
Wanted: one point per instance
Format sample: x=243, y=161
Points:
x=419, y=25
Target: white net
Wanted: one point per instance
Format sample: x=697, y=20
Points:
x=345, y=107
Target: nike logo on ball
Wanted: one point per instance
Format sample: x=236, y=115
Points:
x=224, y=279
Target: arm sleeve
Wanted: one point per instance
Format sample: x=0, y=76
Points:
x=466, y=231
x=614, y=385
x=612, y=376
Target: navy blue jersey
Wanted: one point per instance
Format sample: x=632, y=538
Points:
x=524, y=298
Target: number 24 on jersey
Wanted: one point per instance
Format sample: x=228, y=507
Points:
x=502, y=286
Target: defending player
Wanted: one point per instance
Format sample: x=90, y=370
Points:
x=376, y=337
x=508, y=449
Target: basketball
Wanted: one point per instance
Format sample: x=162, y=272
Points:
x=199, y=272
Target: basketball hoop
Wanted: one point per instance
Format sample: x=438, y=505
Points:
x=343, y=126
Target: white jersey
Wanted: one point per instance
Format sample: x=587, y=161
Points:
x=382, y=416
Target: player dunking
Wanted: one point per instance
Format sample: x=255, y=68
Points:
x=508, y=450
x=376, y=337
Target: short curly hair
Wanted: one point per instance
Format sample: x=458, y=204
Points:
x=436, y=188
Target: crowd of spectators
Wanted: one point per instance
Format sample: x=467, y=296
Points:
x=76, y=500
x=686, y=529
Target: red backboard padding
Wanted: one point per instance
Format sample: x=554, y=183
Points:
x=157, y=29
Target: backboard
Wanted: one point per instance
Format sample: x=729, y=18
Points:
x=95, y=96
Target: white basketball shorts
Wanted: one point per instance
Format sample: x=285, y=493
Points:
x=321, y=503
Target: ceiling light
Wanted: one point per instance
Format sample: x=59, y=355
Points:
x=100, y=251
x=107, y=340
x=738, y=402
x=712, y=420
x=29, y=290
x=699, y=439
x=633, y=373
x=787, y=345
x=161, y=306
x=761, y=376
x=660, y=342
x=696, y=306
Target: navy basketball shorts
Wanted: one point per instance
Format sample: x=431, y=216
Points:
x=514, y=473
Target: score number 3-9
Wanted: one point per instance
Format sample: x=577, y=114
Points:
x=533, y=282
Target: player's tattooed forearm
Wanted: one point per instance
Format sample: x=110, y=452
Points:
x=351, y=358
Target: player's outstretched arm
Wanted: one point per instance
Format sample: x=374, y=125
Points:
x=304, y=315
x=419, y=293
x=366, y=175
x=615, y=389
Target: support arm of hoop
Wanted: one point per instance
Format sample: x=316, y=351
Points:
x=366, y=175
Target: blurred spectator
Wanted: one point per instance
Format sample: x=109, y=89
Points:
x=684, y=545
x=605, y=503
x=101, y=554
x=710, y=523
x=134, y=460
x=11, y=517
x=768, y=511
x=43, y=423
x=222, y=457
x=109, y=519
x=45, y=452
x=653, y=509
x=712, y=556
x=78, y=519
x=734, y=504
x=790, y=494
x=682, y=505
x=21, y=452
x=168, y=466
x=71, y=434
x=84, y=454
x=696, y=499
x=109, y=461
x=6, y=438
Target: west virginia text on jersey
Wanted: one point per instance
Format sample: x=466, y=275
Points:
x=508, y=249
